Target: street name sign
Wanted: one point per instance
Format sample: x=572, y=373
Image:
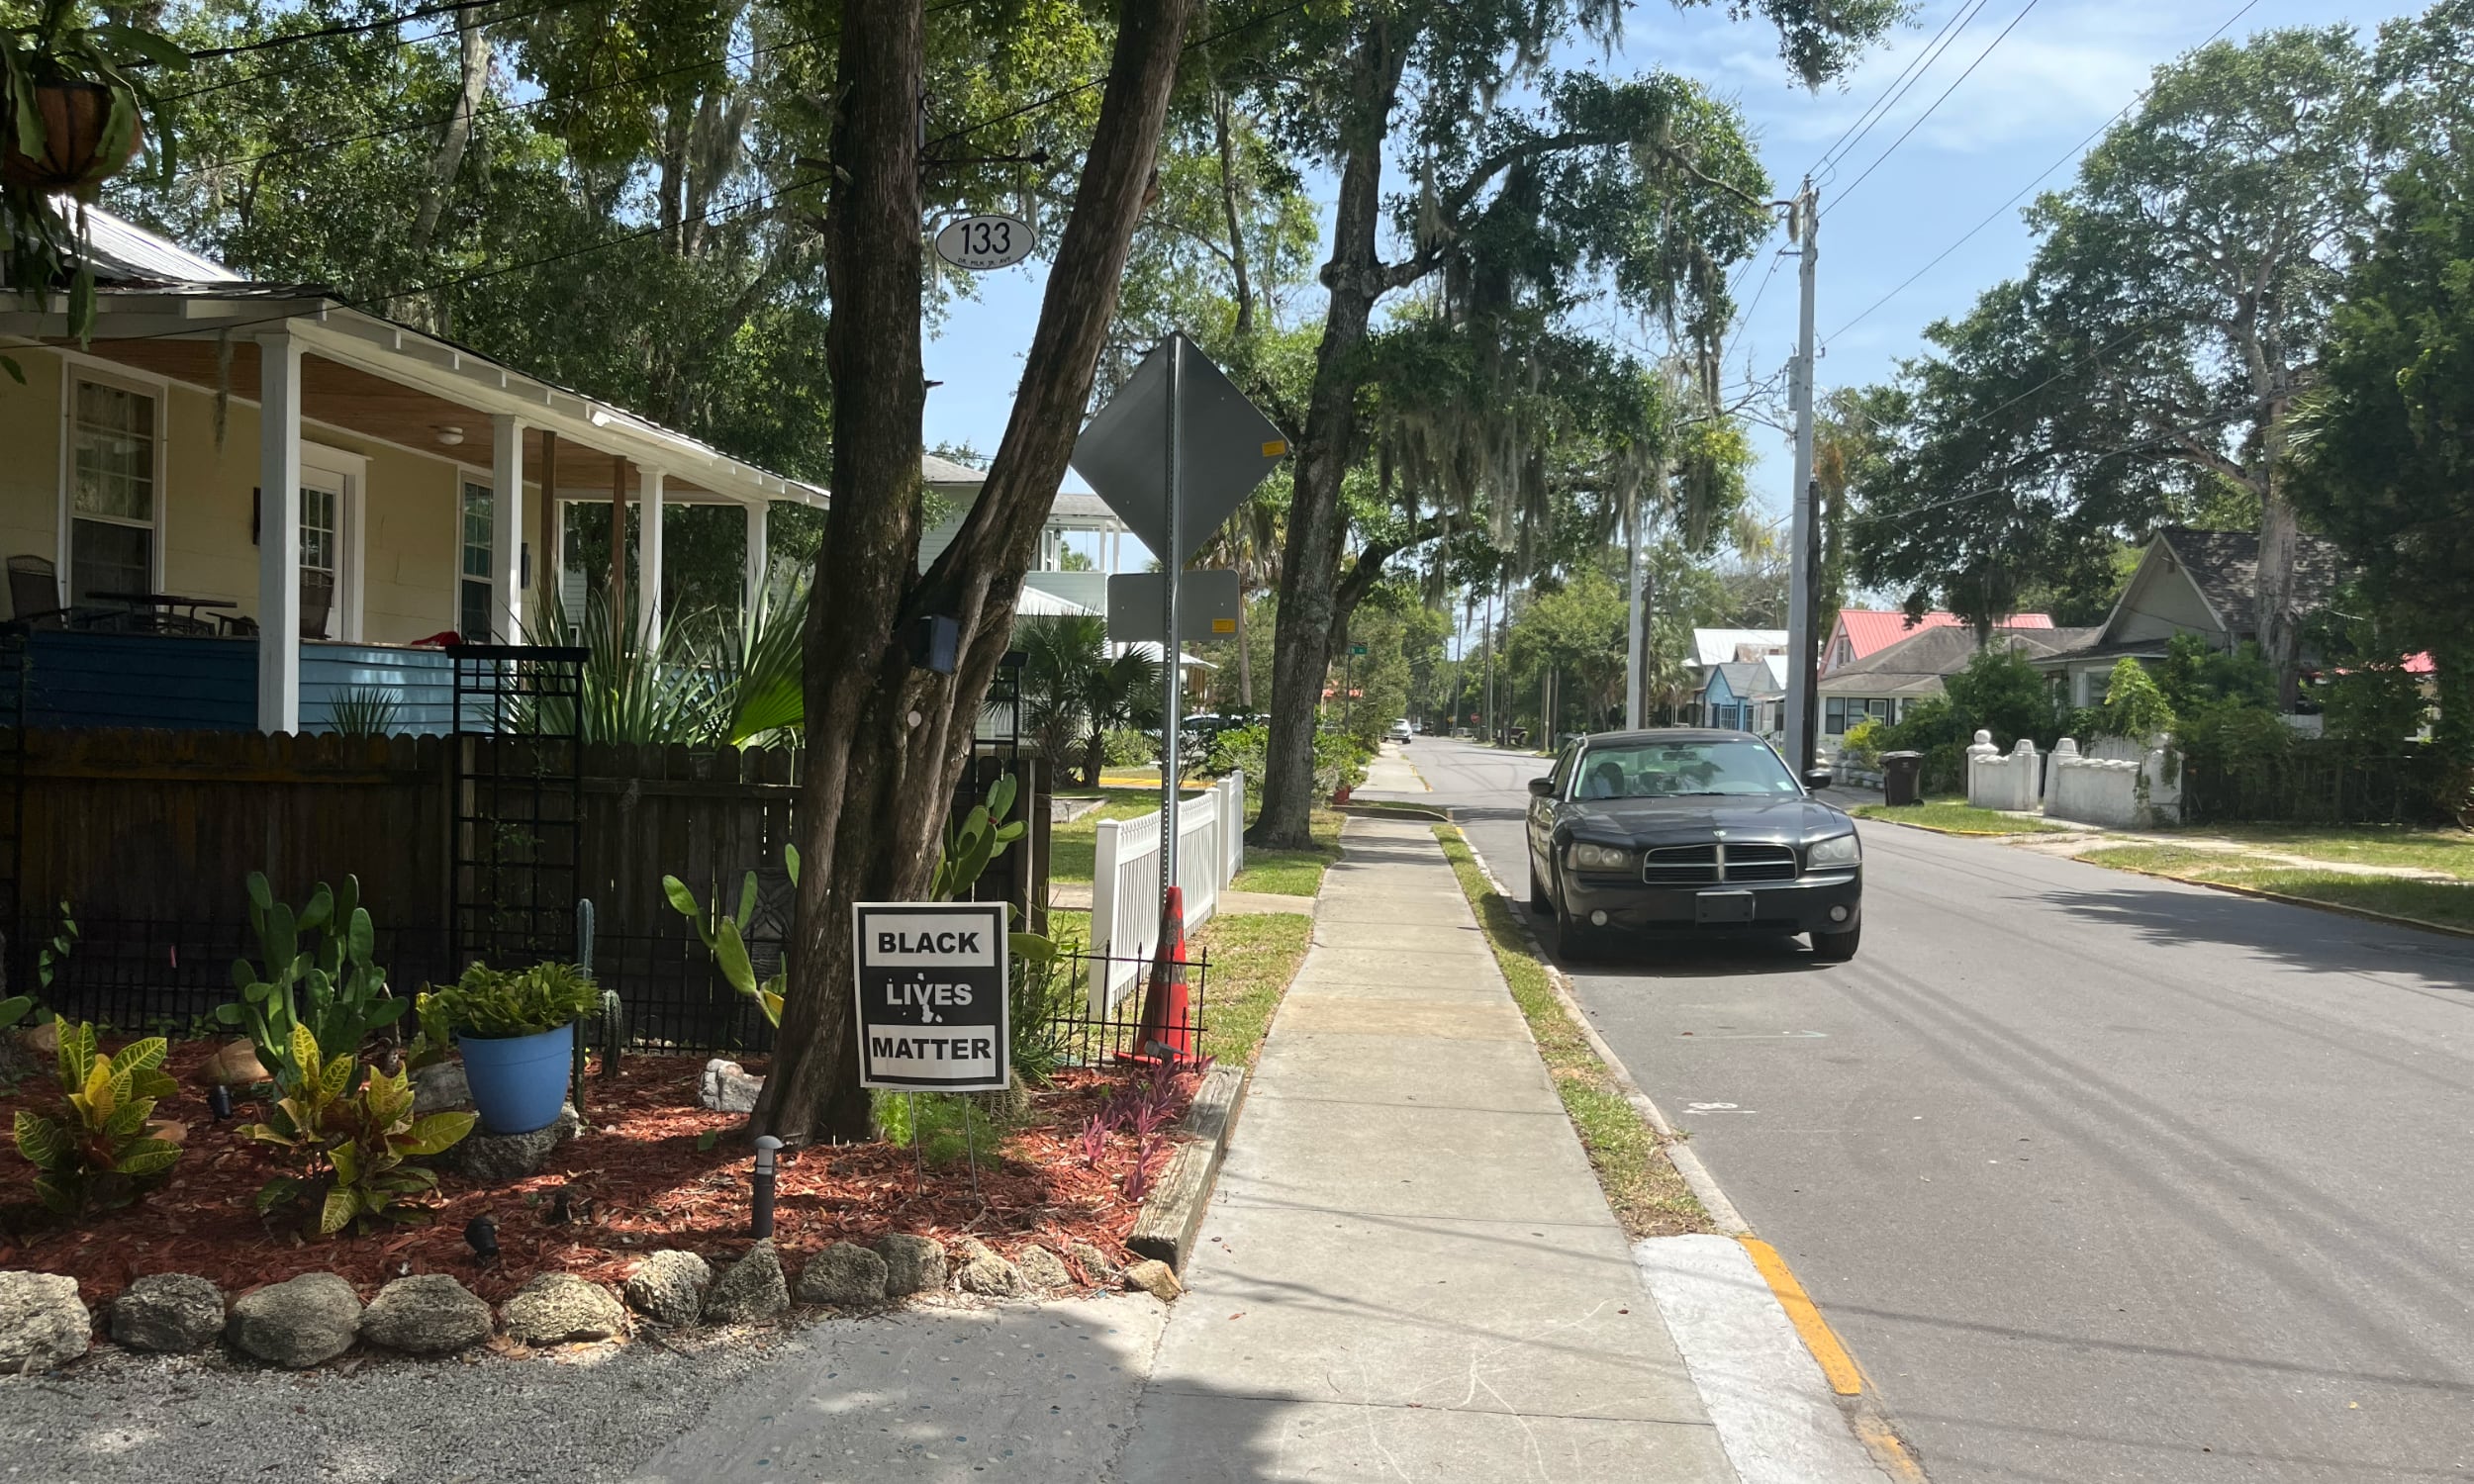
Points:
x=932, y=990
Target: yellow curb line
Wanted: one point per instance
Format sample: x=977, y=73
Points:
x=1836, y=1363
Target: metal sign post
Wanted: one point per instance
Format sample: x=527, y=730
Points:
x=1174, y=672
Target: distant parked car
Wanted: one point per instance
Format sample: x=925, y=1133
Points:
x=1401, y=731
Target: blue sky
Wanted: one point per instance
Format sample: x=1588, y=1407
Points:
x=2064, y=68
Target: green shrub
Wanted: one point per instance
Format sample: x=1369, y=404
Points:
x=1124, y=747
x=2380, y=706
x=2134, y=707
x=1245, y=747
x=2001, y=692
x=1041, y=989
x=1339, y=762
x=1861, y=744
x=92, y=1151
x=353, y=1145
x=319, y=973
x=495, y=1004
x=2196, y=675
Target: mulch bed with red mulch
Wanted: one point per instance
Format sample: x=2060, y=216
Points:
x=636, y=1180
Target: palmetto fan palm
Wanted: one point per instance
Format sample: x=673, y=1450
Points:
x=1076, y=692
x=703, y=680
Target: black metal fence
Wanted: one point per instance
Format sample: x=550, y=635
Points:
x=2314, y=781
x=163, y=978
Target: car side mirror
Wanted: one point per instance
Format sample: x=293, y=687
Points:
x=1542, y=787
x=1819, y=777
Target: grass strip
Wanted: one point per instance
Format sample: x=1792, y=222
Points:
x=2440, y=904
x=1292, y=873
x=1254, y=956
x=1649, y=1197
x=2447, y=851
x=1957, y=819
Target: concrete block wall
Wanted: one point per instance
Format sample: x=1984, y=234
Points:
x=2002, y=781
x=2117, y=792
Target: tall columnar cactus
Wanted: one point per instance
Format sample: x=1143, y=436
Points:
x=319, y=974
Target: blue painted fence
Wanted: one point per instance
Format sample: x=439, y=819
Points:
x=177, y=683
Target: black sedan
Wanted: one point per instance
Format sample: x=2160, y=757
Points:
x=1690, y=833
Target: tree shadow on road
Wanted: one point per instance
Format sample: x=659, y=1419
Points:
x=2297, y=936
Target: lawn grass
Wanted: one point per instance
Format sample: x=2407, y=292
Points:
x=1292, y=873
x=1951, y=817
x=1648, y=1196
x=1070, y=846
x=2443, y=903
x=1253, y=957
x=2448, y=851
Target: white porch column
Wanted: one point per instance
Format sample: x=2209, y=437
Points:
x=279, y=533
x=759, y=545
x=507, y=529
x=649, y=558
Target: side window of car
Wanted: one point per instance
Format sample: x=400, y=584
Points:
x=1563, y=773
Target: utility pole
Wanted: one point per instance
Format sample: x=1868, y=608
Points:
x=1636, y=648
x=1487, y=639
x=1802, y=230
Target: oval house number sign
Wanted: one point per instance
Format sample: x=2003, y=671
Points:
x=985, y=243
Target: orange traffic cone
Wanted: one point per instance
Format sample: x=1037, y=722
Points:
x=1167, y=1032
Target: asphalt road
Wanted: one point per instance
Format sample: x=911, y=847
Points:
x=2100, y=1177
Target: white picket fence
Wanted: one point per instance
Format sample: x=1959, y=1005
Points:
x=1125, y=882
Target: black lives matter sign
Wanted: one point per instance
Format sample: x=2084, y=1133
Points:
x=932, y=995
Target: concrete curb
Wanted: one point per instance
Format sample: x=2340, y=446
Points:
x=1697, y=1175
x=1172, y=1215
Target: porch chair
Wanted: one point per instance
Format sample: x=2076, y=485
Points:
x=318, y=595
x=35, y=593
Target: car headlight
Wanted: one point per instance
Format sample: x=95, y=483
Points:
x=1590, y=857
x=1838, y=850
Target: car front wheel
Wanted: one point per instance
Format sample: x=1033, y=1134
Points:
x=1837, y=948
x=1539, y=906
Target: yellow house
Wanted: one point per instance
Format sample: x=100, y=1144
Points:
x=239, y=501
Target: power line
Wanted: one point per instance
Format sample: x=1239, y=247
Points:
x=2067, y=155
x=1900, y=85
x=1937, y=103
x=324, y=33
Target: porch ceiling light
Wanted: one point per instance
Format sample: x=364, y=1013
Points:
x=448, y=435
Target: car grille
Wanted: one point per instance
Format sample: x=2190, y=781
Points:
x=1713, y=864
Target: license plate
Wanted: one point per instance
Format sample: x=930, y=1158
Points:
x=1722, y=906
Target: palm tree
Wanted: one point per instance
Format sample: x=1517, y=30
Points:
x=1076, y=692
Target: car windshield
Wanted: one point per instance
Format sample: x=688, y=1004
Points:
x=1681, y=770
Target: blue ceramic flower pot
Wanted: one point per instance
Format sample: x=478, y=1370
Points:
x=519, y=1083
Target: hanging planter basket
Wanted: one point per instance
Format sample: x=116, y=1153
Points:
x=89, y=133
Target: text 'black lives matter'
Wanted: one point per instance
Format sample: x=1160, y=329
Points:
x=932, y=995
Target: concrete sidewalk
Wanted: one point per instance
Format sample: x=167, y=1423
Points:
x=1408, y=1269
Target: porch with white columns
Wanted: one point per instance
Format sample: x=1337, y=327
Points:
x=507, y=529
x=759, y=546
x=279, y=533
x=648, y=559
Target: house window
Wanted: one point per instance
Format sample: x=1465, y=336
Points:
x=1834, y=715
x=112, y=495
x=473, y=617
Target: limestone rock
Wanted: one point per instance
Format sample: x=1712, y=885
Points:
x=913, y=1264
x=845, y=1275
x=235, y=1065
x=297, y=1324
x=440, y=1087
x=42, y=1322
x=1152, y=1277
x=558, y=1307
x=668, y=1286
x=728, y=1088
x=171, y=1312
x=428, y=1315
x=985, y=1273
x=1042, y=1269
x=500, y=1158
x=1096, y=1266
x=753, y=1289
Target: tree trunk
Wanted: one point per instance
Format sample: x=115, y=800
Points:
x=887, y=743
x=1094, y=757
x=1228, y=203
x=1245, y=657
x=473, y=64
x=2280, y=536
x=1317, y=521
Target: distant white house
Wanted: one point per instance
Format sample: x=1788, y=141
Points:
x=1048, y=587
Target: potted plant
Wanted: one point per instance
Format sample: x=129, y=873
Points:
x=72, y=103
x=518, y=1034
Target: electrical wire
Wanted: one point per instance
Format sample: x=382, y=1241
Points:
x=2067, y=155
x=1899, y=87
x=1937, y=103
x=324, y=33
x=315, y=64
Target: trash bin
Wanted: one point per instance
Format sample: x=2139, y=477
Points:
x=1902, y=774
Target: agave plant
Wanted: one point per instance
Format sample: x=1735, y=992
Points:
x=701, y=680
